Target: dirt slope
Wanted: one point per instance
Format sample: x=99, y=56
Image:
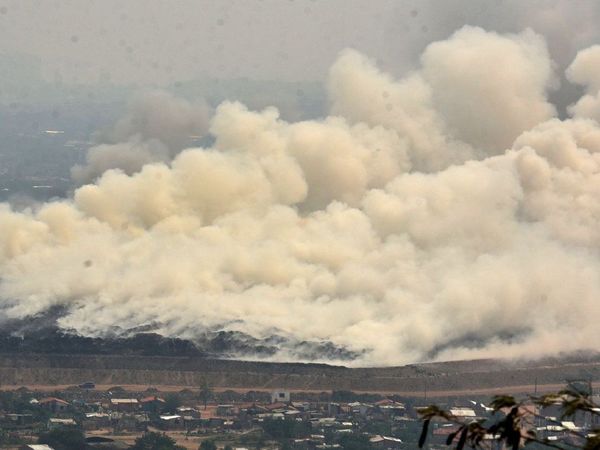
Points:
x=469, y=376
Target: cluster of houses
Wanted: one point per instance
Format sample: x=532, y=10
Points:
x=316, y=424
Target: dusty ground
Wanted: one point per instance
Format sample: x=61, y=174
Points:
x=508, y=389
x=189, y=442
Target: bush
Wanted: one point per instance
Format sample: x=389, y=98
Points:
x=155, y=441
x=208, y=445
x=64, y=439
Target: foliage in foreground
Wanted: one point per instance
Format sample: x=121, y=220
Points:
x=511, y=422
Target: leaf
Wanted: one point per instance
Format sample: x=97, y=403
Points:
x=515, y=445
x=462, y=439
x=451, y=437
x=503, y=401
x=424, y=433
x=592, y=443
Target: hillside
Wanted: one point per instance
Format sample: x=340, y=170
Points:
x=61, y=369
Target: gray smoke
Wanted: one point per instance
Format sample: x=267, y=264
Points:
x=156, y=128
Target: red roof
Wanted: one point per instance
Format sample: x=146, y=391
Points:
x=275, y=406
x=385, y=401
x=53, y=400
x=152, y=399
x=445, y=431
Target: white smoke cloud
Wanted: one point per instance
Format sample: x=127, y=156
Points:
x=489, y=88
x=443, y=215
x=585, y=70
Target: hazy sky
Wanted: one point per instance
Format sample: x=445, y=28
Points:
x=157, y=42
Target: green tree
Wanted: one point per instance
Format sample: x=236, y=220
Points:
x=66, y=438
x=208, y=445
x=285, y=429
x=206, y=393
x=355, y=442
x=155, y=441
x=172, y=402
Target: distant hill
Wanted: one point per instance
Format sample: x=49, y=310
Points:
x=461, y=378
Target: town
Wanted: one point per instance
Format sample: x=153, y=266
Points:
x=90, y=416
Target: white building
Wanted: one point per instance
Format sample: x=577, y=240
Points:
x=280, y=396
x=36, y=447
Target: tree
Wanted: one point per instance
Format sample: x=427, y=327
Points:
x=510, y=425
x=206, y=393
x=208, y=445
x=172, y=402
x=355, y=442
x=155, y=441
x=66, y=438
x=285, y=429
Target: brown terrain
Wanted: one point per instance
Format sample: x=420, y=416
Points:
x=49, y=372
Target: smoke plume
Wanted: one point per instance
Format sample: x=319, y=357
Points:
x=156, y=128
x=447, y=214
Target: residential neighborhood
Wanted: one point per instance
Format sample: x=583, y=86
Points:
x=278, y=419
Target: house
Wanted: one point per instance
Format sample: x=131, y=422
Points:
x=171, y=422
x=96, y=420
x=188, y=411
x=18, y=419
x=124, y=404
x=35, y=447
x=56, y=423
x=385, y=442
x=463, y=413
x=595, y=417
x=309, y=443
x=390, y=408
x=360, y=408
x=225, y=410
x=53, y=404
x=280, y=396
x=303, y=444
x=191, y=422
x=214, y=422
x=276, y=407
x=334, y=409
x=442, y=431
x=129, y=422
